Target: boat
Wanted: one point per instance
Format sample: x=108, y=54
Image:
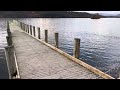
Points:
x=95, y=16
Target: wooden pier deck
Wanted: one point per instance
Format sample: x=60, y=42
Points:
x=38, y=61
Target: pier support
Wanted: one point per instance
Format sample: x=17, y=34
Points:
x=76, y=51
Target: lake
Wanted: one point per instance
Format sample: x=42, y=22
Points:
x=3, y=43
x=100, y=39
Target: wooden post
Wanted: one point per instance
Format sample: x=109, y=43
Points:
x=9, y=40
x=76, y=52
x=9, y=50
x=7, y=60
x=9, y=33
x=38, y=33
x=46, y=36
x=56, y=40
x=34, y=31
x=25, y=28
x=30, y=29
x=21, y=25
x=8, y=27
x=18, y=23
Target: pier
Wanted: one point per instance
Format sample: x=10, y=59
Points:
x=29, y=57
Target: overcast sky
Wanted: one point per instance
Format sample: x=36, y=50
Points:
x=107, y=12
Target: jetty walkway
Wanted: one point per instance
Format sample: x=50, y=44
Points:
x=33, y=58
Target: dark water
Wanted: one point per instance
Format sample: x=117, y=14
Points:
x=100, y=39
x=3, y=66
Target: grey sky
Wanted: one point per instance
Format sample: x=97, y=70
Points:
x=106, y=12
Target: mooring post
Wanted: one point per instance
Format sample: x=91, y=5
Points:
x=7, y=60
x=18, y=23
x=21, y=25
x=34, y=31
x=30, y=29
x=46, y=36
x=56, y=40
x=9, y=40
x=76, y=52
x=38, y=32
x=10, y=60
x=9, y=33
x=8, y=27
x=24, y=27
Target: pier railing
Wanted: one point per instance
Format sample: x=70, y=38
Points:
x=11, y=56
x=30, y=30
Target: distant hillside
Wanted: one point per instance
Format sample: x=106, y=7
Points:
x=44, y=14
x=110, y=15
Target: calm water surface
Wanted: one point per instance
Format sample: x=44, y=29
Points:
x=3, y=66
x=100, y=39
